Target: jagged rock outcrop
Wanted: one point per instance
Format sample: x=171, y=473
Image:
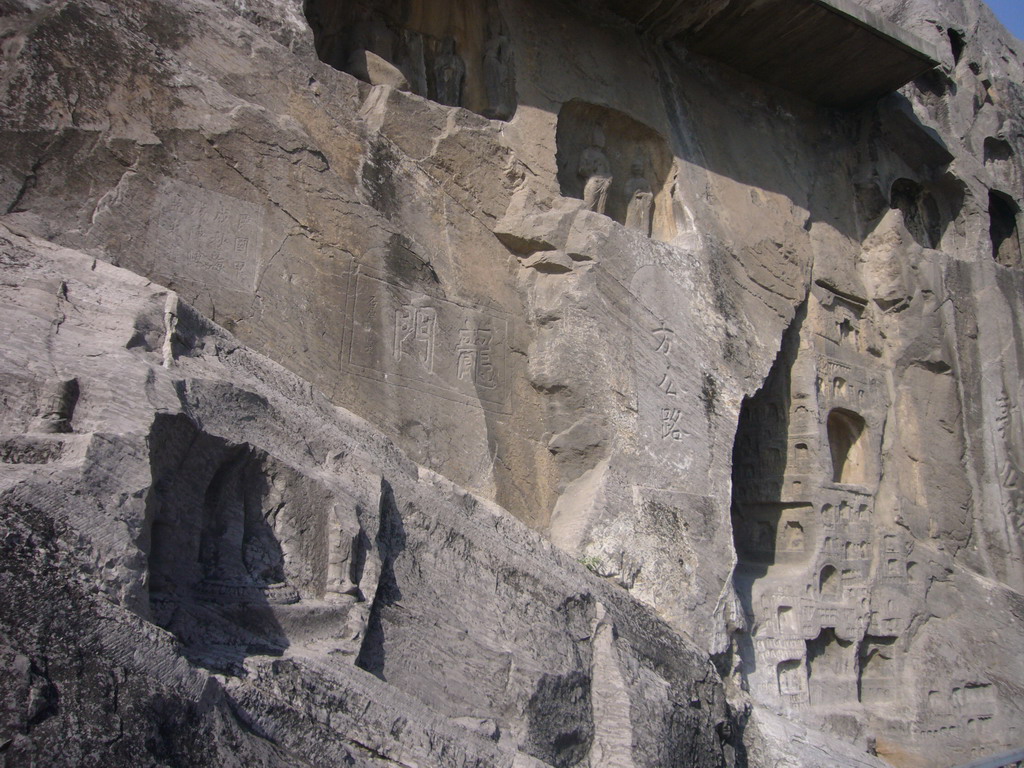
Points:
x=209, y=564
x=312, y=311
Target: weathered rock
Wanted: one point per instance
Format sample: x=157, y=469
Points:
x=754, y=361
x=354, y=606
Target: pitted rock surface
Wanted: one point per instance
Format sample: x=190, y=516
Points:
x=510, y=383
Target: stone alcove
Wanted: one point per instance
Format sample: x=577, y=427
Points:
x=792, y=679
x=1003, y=214
x=847, y=440
x=455, y=52
x=829, y=583
x=244, y=553
x=620, y=166
x=830, y=668
x=920, y=212
x=879, y=670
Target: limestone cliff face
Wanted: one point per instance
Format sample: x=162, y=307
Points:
x=511, y=383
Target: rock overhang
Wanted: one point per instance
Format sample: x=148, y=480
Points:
x=833, y=52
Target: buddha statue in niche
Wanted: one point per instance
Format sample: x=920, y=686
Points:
x=596, y=174
x=640, y=198
x=449, y=74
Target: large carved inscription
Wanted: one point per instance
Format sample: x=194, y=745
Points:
x=445, y=348
x=204, y=236
x=670, y=388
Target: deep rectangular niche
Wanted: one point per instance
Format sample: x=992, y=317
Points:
x=920, y=212
x=454, y=52
x=847, y=440
x=1003, y=213
x=769, y=533
x=619, y=166
x=830, y=669
x=879, y=678
x=242, y=549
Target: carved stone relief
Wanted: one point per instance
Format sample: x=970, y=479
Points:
x=458, y=54
x=617, y=166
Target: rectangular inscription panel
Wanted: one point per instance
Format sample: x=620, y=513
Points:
x=445, y=348
x=199, y=235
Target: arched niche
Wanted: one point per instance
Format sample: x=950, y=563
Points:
x=920, y=212
x=1003, y=212
x=455, y=52
x=619, y=165
x=828, y=582
x=847, y=444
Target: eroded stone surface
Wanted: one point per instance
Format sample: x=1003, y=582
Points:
x=754, y=362
x=273, y=568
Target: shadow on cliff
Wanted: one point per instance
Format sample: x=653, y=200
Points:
x=391, y=540
x=759, y=467
x=215, y=564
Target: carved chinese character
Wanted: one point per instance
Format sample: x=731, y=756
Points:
x=414, y=334
x=669, y=421
x=474, y=356
x=664, y=339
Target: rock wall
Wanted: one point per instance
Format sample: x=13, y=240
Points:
x=753, y=361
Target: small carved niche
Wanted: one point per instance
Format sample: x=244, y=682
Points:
x=455, y=52
x=920, y=212
x=1003, y=214
x=830, y=667
x=801, y=457
x=792, y=678
x=789, y=623
x=997, y=151
x=879, y=676
x=829, y=583
x=231, y=524
x=619, y=166
x=792, y=536
x=846, y=440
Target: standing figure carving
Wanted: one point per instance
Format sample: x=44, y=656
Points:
x=498, y=74
x=597, y=175
x=373, y=57
x=449, y=74
x=59, y=398
x=641, y=199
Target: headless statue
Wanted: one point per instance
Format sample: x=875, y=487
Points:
x=497, y=68
x=641, y=199
x=596, y=173
x=449, y=74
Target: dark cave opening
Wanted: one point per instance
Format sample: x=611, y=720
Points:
x=759, y=460
x=920, y=212
x=1003, y=213
x=454, y=52
x=846, y=439
x=957, y=44
x=761, y=454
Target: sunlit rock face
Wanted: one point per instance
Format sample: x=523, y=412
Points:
x=511, y=383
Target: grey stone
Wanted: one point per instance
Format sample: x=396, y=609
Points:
x=491, y=384
x=272, y=569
